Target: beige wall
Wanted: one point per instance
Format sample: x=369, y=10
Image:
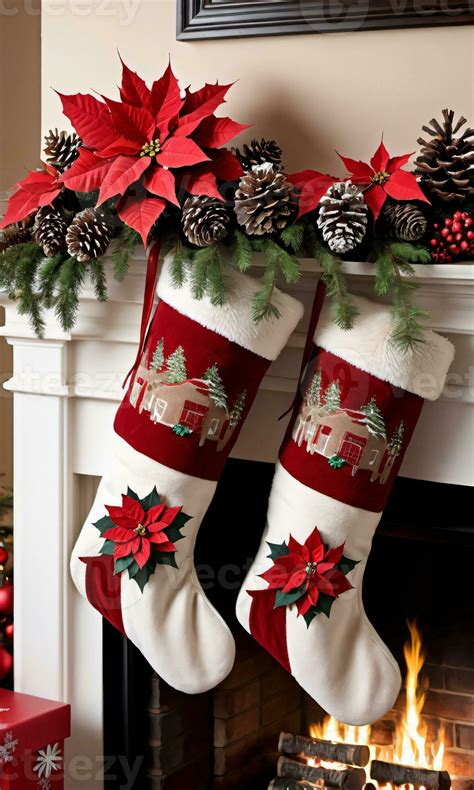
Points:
x=20, y=80
x=314, y=93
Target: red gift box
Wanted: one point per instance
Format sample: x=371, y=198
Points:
x=32, y=733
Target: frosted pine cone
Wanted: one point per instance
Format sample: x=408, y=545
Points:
x=49, y=230
x=342, y=217
x=205, y=220
x=88, y=235
x=263, y=201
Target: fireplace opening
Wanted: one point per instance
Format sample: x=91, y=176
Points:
x=419, y=570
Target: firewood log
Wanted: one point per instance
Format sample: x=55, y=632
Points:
x=349, y=779
x=282, y=783
x=406, y=774
x=347, y=753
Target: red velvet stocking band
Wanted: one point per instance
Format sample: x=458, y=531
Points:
x=268, y=625
x=103, y=588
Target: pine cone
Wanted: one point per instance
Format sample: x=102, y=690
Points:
x=404, y=221
x=61, y=149
x=263, y=201
x=88, y=236
x=445, y=161
x=49, y=230
x=17, y=233
x=343, y=217
x=205, y=220
x=258, y=153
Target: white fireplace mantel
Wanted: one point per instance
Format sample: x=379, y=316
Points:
x=66, y=390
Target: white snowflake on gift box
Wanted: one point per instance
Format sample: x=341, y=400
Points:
x=48, y=760
x=8, y=747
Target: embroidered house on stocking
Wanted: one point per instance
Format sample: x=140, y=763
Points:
x=346, y=436
x=187, y=405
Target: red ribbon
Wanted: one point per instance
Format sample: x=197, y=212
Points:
x=148, y=300
x=318, y=301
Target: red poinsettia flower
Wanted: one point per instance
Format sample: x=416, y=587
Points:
x=136, y=531
x=38, y=189
x=309, y=570
x=312, y=185
x=148, y=144
x=384, y=177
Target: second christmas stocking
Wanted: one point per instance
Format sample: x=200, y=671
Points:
x=302, y=598
x=199, y=373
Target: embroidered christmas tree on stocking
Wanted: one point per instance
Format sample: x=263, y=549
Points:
x=198, y=376
x=302, y=598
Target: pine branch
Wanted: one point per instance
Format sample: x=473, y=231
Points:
x=218, y=286
x=18, y=272
x=70, y=280
x=48, y=276
x=124, y=246
x=99, y=279
x=391, y=262
x=181, y=256
x=289, y=265
x=292, y=236
x=344, y=311
x=200, y=271
x=242, y=251
x=262, y=306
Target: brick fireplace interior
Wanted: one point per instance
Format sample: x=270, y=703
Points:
x=420, y=567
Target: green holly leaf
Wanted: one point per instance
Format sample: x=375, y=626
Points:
x=108, y=548
x=132, y=494
x=277, y=550
x=336, y=461
x=324, y=604
x=310, y=615
x=133, y=568
x=167, y=558
x=346, y=565
x=151, y=500
x=123, y=563
x=285, y=599
x=103, y=524
x=173, y=533
x=181, y=519
x=142, y=576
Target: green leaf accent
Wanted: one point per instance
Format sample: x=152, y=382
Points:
x=285, y=599
x=108, y=548
x=123, y=563
x=133, y=569
x=181, y=430
x=346, y=565
x=142, y=576
x=173, y=533
x=325, y=603
x=151, y=500
x=132, y=494
x=310, y=615
x=181, y=519
x=277, y=550
x=167, y=558
x=336, y=462
x=103, y=524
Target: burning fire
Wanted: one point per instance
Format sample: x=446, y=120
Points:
x=410, y=739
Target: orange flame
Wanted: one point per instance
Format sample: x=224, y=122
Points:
x=410, y=745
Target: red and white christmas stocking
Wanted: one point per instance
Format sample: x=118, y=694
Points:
x=199, y=373
x=302, y=598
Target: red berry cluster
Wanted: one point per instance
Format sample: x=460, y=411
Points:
x=454, y=240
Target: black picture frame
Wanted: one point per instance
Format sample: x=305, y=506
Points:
x=207, y=19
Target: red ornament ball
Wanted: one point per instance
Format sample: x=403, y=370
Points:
x=6, y=598
x=4, y=555
x=6, y=662
x=8, y=630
